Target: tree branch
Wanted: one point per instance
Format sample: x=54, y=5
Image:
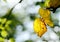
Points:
x=10, y=12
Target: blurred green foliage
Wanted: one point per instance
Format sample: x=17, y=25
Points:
x=40, y=3
x=29, y=41
x=8, y=25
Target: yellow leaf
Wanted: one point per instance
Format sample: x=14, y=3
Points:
x=39, y=27
x=49, y=22
x=45, y=14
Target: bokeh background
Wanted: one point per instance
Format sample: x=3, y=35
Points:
x=26, y=12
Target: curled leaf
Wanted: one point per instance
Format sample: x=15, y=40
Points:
x=45, y=14
x=49, y=22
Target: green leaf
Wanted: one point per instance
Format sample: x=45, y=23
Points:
x=29, y=41
x=40, y=3
x=4, y=0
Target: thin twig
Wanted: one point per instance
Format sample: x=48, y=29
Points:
x=20, y=1
x=13, y=8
